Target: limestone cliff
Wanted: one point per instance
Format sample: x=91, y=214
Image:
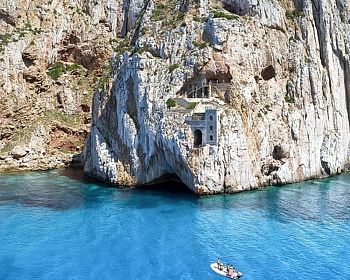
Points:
x=276, y=71
x=275, y=74
x=52, y=55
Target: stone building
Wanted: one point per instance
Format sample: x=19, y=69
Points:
x=205, y=127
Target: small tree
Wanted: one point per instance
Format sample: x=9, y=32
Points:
x=191, y=105
x=171, y=102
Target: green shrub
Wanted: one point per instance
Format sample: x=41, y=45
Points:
x=158, y=12
x=61, y=117
x=191, y=105
x=37, y=31
x=289, y=99
x=168, y=14
x=173, y=67
x=106, y=76
x=196, y=18
x=181, y=16
x=123, y=46
x=143, y=31
x=292, y=14
x=199, y=45
x=19, y=137
x=141, y=50
x=5, y=38
x=221, y=14
x=200, y=19
x=171, y=102
x=56, y=70
x=307, y=59
x=73, y=67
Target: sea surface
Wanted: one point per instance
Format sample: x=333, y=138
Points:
x=56, y=225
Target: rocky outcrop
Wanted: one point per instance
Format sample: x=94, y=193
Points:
x=283, y=118
x=52, y=56
x=46, y=147
x=279, y=75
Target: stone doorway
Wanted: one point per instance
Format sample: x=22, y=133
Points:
x=198, y=138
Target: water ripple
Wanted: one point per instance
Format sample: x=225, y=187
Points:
x=58, y=226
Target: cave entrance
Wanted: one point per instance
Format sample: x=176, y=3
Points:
x=198, y=138
x=167, y=183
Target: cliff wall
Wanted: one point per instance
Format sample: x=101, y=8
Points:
x=52, y=55
x=282, y=118
x=278, y=73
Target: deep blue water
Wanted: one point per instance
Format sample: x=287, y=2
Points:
x=55, y=226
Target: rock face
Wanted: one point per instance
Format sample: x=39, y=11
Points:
x=276, y=73
x=52, y=53
x=283, y=117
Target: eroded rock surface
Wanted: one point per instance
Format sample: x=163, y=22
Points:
x=52, y=55
x=283, y=115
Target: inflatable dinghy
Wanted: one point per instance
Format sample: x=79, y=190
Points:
x=226, y=271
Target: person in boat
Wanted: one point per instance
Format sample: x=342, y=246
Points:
x=219, y=264
x=230, y=271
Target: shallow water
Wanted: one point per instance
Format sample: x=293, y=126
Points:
x=57, y=226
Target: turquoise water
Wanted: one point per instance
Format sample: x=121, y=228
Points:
x=55, y=226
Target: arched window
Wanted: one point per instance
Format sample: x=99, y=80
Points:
x=211, y=117
x=211, y=137
x=211, y=127
x=198, y=138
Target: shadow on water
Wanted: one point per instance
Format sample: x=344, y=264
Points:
x=319, y=200
x=76, y=174
x=53, y=197
x=41, y=189
x=168, y=187
x=165, y=186
x=168, y=190
x=66, y=189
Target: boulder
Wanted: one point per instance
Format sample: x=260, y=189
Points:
x=3, y=156
x=19, y=152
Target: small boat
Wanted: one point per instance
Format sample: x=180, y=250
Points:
x=225, y=271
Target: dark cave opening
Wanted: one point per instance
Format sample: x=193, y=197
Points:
x=169, y=183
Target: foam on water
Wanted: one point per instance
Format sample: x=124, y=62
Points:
x=55, y=226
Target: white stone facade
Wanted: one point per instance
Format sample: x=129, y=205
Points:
x=207, y=124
